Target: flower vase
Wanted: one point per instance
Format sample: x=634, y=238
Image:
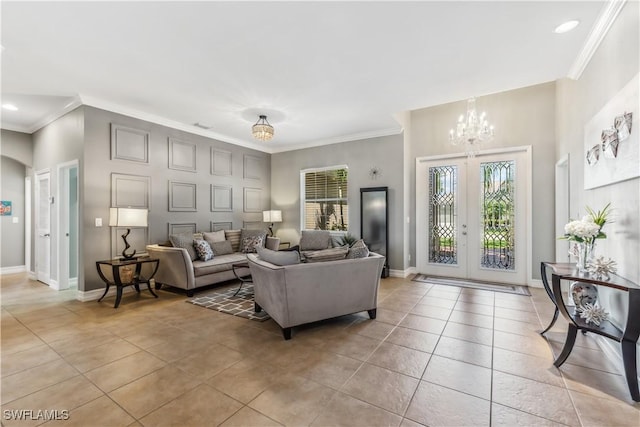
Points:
x=585, y=254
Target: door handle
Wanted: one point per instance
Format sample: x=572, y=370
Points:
x=464, y=233
x=47, y=235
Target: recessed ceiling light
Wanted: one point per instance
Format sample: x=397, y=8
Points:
x=566, y=26
x=10, y=107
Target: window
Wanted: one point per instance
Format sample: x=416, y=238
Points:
x=323, y=193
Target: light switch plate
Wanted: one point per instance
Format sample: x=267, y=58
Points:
x=98, y=222
x=16, y=219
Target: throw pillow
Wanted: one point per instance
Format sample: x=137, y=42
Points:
x=214, y=236
x=313, y=240
x=278, y=257
x=222, y=248
x=203, y=249
x=234, y=237
x=331, y=254
x=245, y=232
x=358, y=250
x=185, y=241
x=250, y=244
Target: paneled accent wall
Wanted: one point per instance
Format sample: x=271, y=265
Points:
x=187, y=181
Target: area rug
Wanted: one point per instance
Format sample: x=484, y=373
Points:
x=224, y=301
x=473, y=284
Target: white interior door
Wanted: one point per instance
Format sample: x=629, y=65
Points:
x=43, y=227
x=472, y=216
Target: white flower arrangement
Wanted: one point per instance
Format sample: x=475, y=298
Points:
x=584, y=229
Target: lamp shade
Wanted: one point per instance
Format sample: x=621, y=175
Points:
x=127, y=217
x=272, y=216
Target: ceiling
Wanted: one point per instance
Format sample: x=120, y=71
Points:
x=322, y=72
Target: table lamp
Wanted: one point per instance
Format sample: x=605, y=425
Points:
x=271, y=216
x=127, y=217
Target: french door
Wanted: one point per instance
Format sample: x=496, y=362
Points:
x=43, y=227
x=472, y=216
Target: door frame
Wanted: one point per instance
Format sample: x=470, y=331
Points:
x=62, y=224
x=27, y=227
x=37, y=174
x=562, y=199
x=527, y=150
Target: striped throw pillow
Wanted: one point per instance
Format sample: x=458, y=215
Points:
x=332, y=254
x=234, y=237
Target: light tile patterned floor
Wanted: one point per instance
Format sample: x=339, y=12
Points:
x=436, y=355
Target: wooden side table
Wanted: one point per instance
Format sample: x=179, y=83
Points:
x=126, y=273
x=628, y=337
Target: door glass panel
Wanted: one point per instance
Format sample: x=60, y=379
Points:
x=443, y=214
x=497, y=220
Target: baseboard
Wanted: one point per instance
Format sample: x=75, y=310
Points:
x=53, y=284
x=402, y=273
x=535, y=283
x=13, y=270
x=95, y=294
x=73, y=282
x=32, y=275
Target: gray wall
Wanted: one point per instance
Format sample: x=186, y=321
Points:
x=613, y=65
x=17, y=145
x=99, y=242
x=521, y=117
x=360, y=156
x=59, y=142
x=12, y=175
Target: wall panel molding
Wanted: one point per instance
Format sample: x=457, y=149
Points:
x=182, y=196
x=182, y=227
x=252, y=199
x=253, y=225
x=221, y=162
x=221, y=198
x=182, y=155
x=253, y=167
x=217, y=226
x=130, y=191
x=129, y=144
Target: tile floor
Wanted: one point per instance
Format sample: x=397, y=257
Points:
x=436, y=356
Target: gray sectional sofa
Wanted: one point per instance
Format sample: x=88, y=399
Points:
x=178, y=268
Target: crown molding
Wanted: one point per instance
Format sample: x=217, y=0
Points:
x=338, y=139
x=600, y=29
x=141, y=115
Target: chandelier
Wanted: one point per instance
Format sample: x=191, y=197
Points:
x=262, y=130
x=471, y=130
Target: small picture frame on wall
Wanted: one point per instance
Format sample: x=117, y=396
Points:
x=5, y=208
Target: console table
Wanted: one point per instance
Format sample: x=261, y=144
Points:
x=122, y=275
x=628, y=337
